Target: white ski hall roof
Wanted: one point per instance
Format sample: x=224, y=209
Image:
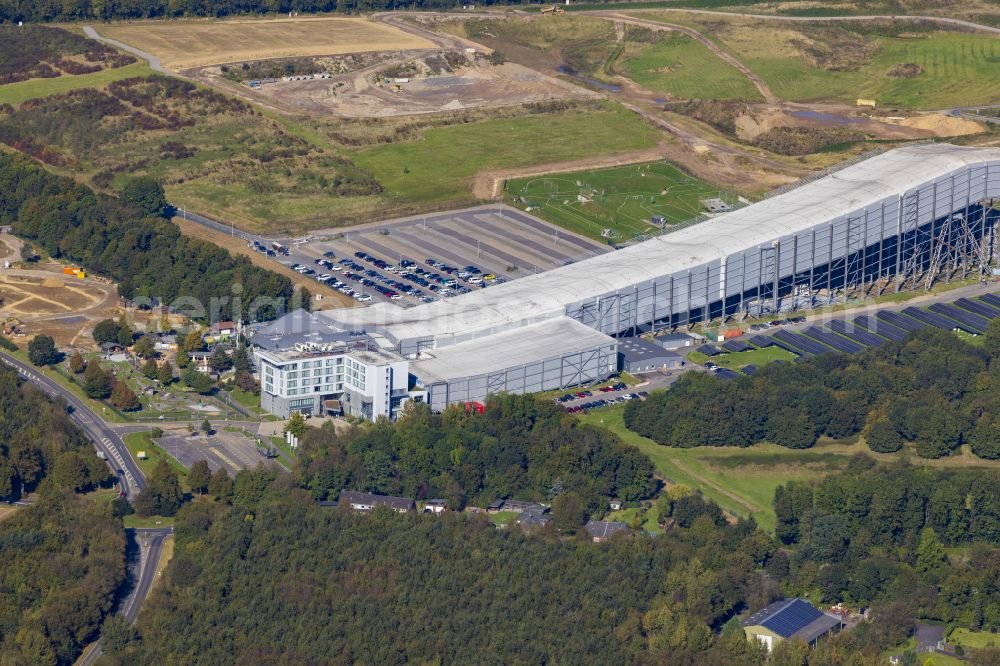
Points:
x=546, y=295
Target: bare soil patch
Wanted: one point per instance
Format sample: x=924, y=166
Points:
x=384, y=84
x=47, y=302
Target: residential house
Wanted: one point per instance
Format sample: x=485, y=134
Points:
x=615, y=504
x=435, y=506
x=365, y=502
x=602, y=530
x=199, y=359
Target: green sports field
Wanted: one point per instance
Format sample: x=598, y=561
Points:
x=623, y=199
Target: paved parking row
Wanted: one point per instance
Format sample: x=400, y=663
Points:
x=503, y=242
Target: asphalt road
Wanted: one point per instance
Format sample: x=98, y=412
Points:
x=142, y=574
x=105, y=439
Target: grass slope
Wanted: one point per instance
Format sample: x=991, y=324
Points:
x=441, y=165
x=622, y=198
x=16, y=93
x=684, y=68
x=741, y=481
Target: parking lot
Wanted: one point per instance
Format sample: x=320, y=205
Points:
x=229, y=450
x=437, y=256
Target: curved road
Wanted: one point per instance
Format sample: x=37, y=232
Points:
x=722, y=54
x=150, y=542
x=812, y=19
x=154, y=62
x=105, y=439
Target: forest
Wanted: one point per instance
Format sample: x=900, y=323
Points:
x=38, y=441
x=63, y=563
x=928, y=394
x=882, y=533
x=64, y=556
x=390, y=588
x=75, y=10
x=284, y=581
x=146, y=255
x=36, y=52
x=519, y=448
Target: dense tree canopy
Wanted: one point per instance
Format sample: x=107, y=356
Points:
x=147, y=256
x=70, y=10
x=519, y=448
x=35, y=435
x=63, y=562
x=61, y=559
x=388, y=588
x=932, y=391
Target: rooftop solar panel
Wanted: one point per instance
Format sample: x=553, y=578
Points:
x=709, y=350
x=992, y=299
x=932, y=318
x=899, y=321
x=736, y=346
x=792, y=618
x=967, y=321
x=881, y=328
x=978, y=307
x=838, y=342
x=860, y=335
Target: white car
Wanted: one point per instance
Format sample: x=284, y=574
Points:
x=336, y=267
x=362, y=298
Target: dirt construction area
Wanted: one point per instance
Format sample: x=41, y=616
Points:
x=369, y=93
x=185, y=44
x=44, y=300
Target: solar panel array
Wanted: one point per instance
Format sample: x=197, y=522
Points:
x=726, y=373
x=899, y=321
x=709, y=350
x=838, y=342
x=882, y=328
x=761, y=341
x=856, y=333
x=792, y=618
x=805, y=344
x=932, y=318
x=736, y=346
x=748, y=369
x=967, y=321
x=979, y=307
x=992, y=299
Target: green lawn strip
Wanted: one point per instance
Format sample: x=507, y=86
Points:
x=135, y=521
x=973, y=639
x=740, y=480
x=756, y=357
x=282, y=445
x=141, y=441
x=246, y=399
x=503, y=517
x=439, y=167
x=16, y=93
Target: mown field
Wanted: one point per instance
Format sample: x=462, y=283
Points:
x=844, y=62
x=622, y=199
x=683, y=68
x=183, y=44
